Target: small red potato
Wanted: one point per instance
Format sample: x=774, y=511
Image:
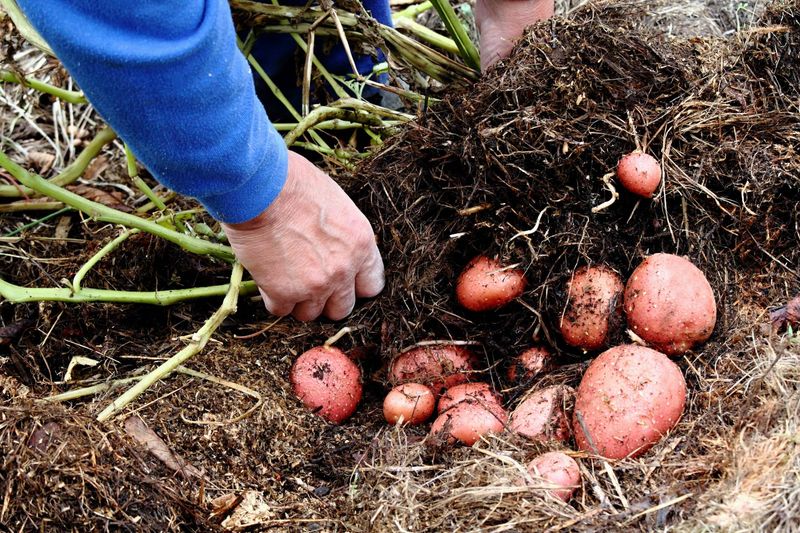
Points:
x=466, y=422
x=470, y=392
x=411, y=403
x=639, y=173
x=559, y=470
x=629, y=397
x=670, y=304
x=529, y=364
x=544, y=415
x=485, y=285
x=328, y=382
x=438, y=366
x=594, y=307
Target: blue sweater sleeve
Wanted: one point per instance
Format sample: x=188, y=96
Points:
x=168, y=77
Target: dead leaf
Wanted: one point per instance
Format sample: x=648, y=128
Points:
x=113, y=199
x=63, y=227
x=138, y=431
x=9, y=334
x=95, y=168
x=252, y=511
x=42, y=161
x=224, y=504
x=41, y=438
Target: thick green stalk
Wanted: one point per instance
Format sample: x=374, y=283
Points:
x=73, y=97
x=197, y=343
x=109, y=214
x=427, y=34
x=412, y=11
x=16, y=294
x=22, y=205
x=448, y=15
x=71, y=172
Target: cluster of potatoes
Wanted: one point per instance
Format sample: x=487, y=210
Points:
x=630, y=396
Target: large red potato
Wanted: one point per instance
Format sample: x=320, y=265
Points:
x=485, y=285
x=413, y=403
x=670, y=304
x=543, y=416
x=467, y=421
x=327, y=382
x=438, y=366
x=629, y=397
x=594, y=307
x=558, y=469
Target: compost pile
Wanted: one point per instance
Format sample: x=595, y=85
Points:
x=512, y=167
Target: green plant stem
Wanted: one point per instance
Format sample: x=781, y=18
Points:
x=82, y=392
x=35, y=223
x=130, y=161
x=427, y=34
x=96, y=258
x=335, y=124
x=72, y=171
x=22, y=205
x=109, y=214
x=197, y=343
x=73, y=97
x=448, y=15
x=413, y=10
x=145, y=189
x=324, y=113
x=16, y=294
x=163, y=200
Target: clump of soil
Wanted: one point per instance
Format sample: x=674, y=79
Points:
x=512, y=167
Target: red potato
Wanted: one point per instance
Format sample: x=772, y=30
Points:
x=628, y=399
x=639, y=173
x=670, y=304
x=485, y=285
x=413, y=403
x=471, y=392
x=529, y=364
x=544, y=415
x=438, y=366
x=467, y=422
x=594, y=307
x=558, y=469
x=328, y=382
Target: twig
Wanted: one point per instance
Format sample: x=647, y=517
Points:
x=198, y=342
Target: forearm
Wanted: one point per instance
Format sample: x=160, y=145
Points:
x=169, y=79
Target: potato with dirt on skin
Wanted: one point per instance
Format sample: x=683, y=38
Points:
x=639, y=173
x=439, y=366
x=411, y=403
x=466, y=422
x=529, y=364
x=544, y=415
x=327, y=382
x=469, y=392
x=670, y=304
x=558, y=470
x=594, y=307
x=628, y=399
x=485, y=284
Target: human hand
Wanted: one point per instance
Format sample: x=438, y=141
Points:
x=501, y=23
x=311, y=252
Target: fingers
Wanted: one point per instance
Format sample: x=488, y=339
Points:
x=370, y=279
x=340, y=304
x=274, y=306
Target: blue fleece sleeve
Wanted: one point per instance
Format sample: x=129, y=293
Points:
x=168, y=77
